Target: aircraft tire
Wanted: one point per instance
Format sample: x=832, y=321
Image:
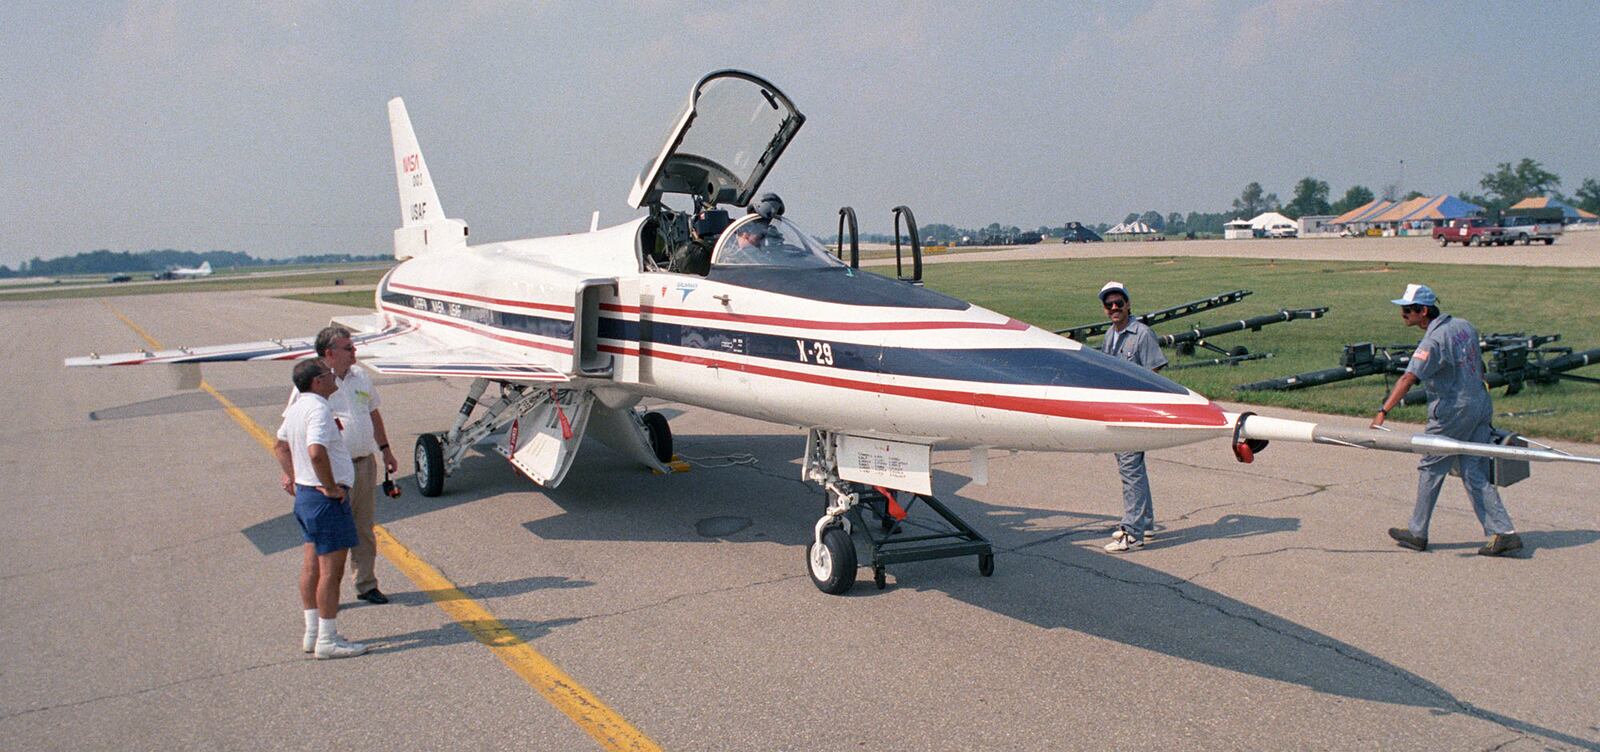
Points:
x=430, y=465
x=832, y=565
x=655, y=424
x=986, y=564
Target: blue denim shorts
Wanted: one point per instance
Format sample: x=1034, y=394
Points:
x=324, y=522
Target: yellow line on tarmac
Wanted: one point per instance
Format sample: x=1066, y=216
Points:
x=597, y=719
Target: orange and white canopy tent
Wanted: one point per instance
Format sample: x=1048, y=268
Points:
x=1572, y=213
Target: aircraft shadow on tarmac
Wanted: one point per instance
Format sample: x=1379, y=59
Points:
x=481, y=477
x=1050, y=583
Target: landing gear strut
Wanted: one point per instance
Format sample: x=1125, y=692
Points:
x=439, y=456
x=831, y=556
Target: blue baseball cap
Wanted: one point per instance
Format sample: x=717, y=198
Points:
x=1417, y=295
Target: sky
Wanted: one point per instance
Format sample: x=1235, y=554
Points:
x=262, y=128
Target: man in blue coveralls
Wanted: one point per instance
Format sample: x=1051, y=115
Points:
x=1449, y=362
x=1132, y=341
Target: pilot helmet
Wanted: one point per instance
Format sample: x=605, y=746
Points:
x=768, y=206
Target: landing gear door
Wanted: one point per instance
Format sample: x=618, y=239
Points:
x=543, y=442
x=728, y=138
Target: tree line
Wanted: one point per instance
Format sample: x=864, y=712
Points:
x=1506, y=185
x=115, y=262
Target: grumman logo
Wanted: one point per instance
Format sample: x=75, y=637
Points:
x=685, y=288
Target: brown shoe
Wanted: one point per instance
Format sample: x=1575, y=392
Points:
x=1501, y=544
x=1407, y=540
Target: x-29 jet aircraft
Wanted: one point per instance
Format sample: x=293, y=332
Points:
x=749, y=316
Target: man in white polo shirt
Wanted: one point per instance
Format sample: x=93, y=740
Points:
x=317, y=472
x=355, y=404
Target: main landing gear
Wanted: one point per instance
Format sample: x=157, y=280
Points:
x=438, y=456
x=831, y=556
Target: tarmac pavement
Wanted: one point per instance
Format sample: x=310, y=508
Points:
x=148, y=566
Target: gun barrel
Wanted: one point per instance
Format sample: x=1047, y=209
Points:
x=1190, y=308
x=1199, y=333
x=1532, y=372
x=1307, y=379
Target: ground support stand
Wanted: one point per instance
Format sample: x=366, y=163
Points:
x=889, y=541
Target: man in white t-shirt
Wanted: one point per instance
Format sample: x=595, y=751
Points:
x=355, y=404
x=317, y=472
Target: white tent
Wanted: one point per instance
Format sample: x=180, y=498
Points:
x=1266, y=220
x=1238, y=229
x=1131, y=228
x=1275, y=225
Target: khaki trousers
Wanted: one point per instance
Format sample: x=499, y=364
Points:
x=363, y=501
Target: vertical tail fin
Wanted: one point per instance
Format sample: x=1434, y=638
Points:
x=205, y=267
x=423, y=225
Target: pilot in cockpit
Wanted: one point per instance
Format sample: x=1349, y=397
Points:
x=753, y=241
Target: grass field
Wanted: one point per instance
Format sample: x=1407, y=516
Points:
x=355, y=298
x=1059, y=293
x=208, y=284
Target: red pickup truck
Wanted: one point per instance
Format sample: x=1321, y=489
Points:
x=1474, y=231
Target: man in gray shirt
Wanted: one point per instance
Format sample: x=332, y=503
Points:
x=1449, y=362
x=1132, y=341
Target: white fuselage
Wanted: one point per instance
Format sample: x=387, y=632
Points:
x=835, y=349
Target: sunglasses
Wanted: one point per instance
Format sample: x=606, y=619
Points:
x=1411, y=309
x=1111, y=304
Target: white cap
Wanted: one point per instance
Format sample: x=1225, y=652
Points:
x=1113, y=287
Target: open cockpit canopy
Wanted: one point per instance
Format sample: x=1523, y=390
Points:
x=723, y=145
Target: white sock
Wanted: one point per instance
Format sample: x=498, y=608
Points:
x=311, y=621
x=327, y=630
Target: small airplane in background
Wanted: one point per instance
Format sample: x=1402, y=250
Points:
x=749, y=315
x=203, y=270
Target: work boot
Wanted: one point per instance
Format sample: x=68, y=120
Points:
x=1501, y=544
x=1407, y=540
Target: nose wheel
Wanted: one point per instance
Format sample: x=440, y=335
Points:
x=832, y=563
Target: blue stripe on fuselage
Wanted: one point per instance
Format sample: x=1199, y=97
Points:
x=1045, y=366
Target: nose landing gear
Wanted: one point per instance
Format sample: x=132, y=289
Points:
x=831, y=558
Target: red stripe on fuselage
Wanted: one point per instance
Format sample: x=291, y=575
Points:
x=1205, y=415
x=482, y=298
x=492, y=334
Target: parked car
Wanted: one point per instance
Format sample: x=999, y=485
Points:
x=1526, y=227
x=1472, y=231
x=120, y=278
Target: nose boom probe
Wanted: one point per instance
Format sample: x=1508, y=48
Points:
x=1252, y=431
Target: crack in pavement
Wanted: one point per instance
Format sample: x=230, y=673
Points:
x=1215, y=565
x=147, y=690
